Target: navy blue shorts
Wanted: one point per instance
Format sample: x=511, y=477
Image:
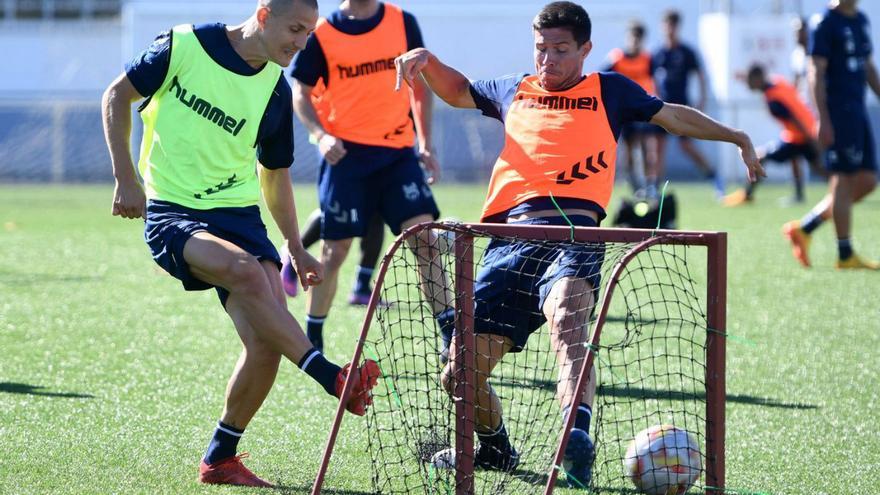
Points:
x=635, y=129
x=780, y=151
x=515, y=278
x=853, y=148
x=170, y=225
x=396, y=189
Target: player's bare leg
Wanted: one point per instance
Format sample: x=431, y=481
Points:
x=494, y=450
x=845, y=188
x=656, y=176
x=568, y=308
x=320, y=297
x=798, y=178
x=257, y=366
x=691, y=150
x=432, y=274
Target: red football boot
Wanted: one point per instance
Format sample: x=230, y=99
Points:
x=361, y=395
x=230, y=471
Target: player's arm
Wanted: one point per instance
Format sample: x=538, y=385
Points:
x=422, y=102
x=872, y=77
x=330, y=146
x=278, y=194
x=449, y=84
x=129, y=200
x=685, y=121
x=816, y=76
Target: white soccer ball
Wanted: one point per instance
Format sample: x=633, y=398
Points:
x=444, y=459
x=663, y=460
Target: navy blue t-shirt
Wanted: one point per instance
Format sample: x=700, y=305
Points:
x=671, y=68
x=846, y=43
x=310, y=65
x=275, y=135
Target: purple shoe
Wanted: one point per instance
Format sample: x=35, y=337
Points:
x=288, y=276
x=363, y=299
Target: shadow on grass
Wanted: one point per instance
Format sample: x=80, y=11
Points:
x=24, y=388
x=660, y=394
x=301, y=489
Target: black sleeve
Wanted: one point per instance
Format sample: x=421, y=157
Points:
x=625, y=101
x=779, y=110
x=148, y=69
x=413, y=33
x=275, y=142
x=310, y=65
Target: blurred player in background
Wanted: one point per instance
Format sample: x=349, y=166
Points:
x=798, y=136
x=673, y=64
x=552, y=120
x=799, y=58
x=635, y=63
x=217, y=105
x=840, y=68
x=343, y=92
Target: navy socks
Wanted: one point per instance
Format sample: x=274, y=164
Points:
x=223, y=444
x=322, y=371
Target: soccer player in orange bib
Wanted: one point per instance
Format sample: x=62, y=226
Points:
x=635, y=63
x=552, y=119
x=344, y=94
x=798, y=136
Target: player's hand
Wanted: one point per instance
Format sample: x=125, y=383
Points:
x=129, y=200
x=332, y=148
x=309, y=270
x=410, y=65
x=430, y=164
x=826, y=133
x=750, y=158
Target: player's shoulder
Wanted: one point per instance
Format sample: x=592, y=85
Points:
x=616, y=80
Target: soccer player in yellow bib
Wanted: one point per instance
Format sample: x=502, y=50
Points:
x=217, y=132
x=552, y=119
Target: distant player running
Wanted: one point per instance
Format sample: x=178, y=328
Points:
x=344, y=95
x=635, y=63
x=673, y=64
x=552, y=120
x=840, y=68
x=797, y=139
x=217, y=110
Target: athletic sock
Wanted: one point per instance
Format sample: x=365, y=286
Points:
x=223, y=444
x=497, y=438
x=446, y=321
x=315, y=330
x=583, y=417
x=362, y=282
x=322, y=371
x=811, y=222
x=844, y=249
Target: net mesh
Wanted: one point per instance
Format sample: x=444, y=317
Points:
x=650, y=363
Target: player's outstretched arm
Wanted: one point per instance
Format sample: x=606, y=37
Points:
x=686, y=121
x=278, y=193
x=129, y=200
x=449, y=84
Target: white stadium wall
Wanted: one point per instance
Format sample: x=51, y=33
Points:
x=51, y=87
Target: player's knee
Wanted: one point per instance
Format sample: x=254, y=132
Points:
x=246, y=277
x=334, y=253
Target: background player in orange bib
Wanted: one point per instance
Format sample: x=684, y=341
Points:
x=553, y=119
x=797, y=139
x=344, y=95
x=634, y=62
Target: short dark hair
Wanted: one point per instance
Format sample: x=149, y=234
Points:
x=672, y=17
x=637, y=29
x=567, y=15
x=756, y=70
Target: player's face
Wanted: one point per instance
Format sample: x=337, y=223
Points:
x=756, y=83
x=286, y=32
x=559, y=61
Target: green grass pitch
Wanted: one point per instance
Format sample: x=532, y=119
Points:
x=112, y=377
